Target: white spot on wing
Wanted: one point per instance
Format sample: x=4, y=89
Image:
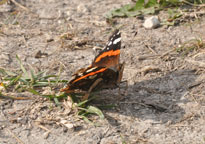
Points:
x=117, y=40
x=80, y=74
x=109, y=43
x=89, y=70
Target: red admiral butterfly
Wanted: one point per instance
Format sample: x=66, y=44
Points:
x=104, y=72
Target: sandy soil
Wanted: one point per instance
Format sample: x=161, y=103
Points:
x=157, y=76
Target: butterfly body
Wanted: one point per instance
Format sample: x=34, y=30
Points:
x=104, y=72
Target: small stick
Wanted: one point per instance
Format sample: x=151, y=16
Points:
x=147, y=56
x=19, y=5
x=44, y=128
x=197, y=63
x=151, y=49
x=19, y=141
x=13, y=97
x=172, y=50
x=194, y=98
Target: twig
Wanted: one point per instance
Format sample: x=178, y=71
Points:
x=195, y=85
x=13, y=135
x=198, y=54
x=164, y=54
x=194, y=98
x=147, y=105
x=151, y=49
x=180, y=125
x=19, y=5
x=42, y=127
x=147, y=56
x=197, y=63
x=13, y=97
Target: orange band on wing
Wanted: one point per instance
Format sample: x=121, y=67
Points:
x=89, y=74
x=108, y=53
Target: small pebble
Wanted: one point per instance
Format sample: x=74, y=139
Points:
x=151, y=22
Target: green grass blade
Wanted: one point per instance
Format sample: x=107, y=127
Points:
x=21, y=65
x=49, y=96
x=38, y=75
x=47, y=77
x=33, y=91
x=92, y=110
x=86, y=119
x=25, y=82
x=33, y=77
x=59, y=73
x=96, y=110
x=14, y=80
x=82, y=103
x=40, y=84
x=5, y=72
x=63, y=95
x=56, y=101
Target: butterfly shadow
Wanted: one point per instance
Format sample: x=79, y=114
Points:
x=160, y=99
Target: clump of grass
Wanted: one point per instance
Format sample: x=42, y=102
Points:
x=190, y=46
x=29, y=80
x=25, y=80
x=173, y=15
x=143, y=7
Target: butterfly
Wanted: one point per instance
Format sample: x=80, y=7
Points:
x=105, y=71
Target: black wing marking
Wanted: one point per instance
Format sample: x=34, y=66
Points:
x=109, y=56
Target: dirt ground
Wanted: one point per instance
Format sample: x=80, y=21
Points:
x=157, y=76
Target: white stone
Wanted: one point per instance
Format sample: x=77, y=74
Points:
x=81, y=8
x=151, y=22
x=67, y=124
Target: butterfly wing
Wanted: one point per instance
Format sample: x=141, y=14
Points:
x=105, y=65
x=109, y=56
x=85, y=79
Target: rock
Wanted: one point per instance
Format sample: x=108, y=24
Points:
x=67, y=124
x=151, y=22
x=81, y=8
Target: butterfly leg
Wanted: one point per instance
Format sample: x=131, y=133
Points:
x=123, y=94
x=120, y=73
x=85, y=97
